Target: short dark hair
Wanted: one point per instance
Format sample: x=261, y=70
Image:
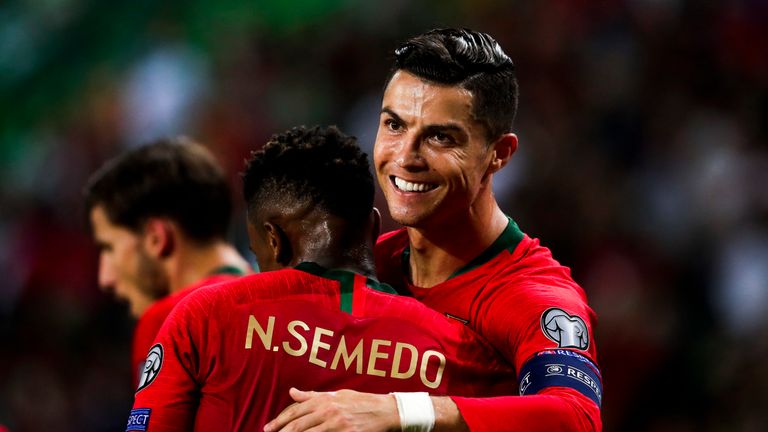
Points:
x=320, y=164
x=174, y=178
x=469, y=59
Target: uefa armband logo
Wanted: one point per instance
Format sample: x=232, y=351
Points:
x=151, y=366
x=568, y=331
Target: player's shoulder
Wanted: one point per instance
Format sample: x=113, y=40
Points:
x=530, y=257
x=393, y=239
x=407, y=309
x=211, y=294
x=213, y=279
x=162, y=307
x=531, y=271
x=388, y=255
x=157, y=312
x=252, y=287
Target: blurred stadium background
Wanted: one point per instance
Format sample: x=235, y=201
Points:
x=643, y=164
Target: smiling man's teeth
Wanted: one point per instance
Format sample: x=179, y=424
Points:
x=412, y=187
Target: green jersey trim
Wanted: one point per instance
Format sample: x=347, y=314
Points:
x=228, y=269
x=346, y=281
x=507, y=240
x=379, y=286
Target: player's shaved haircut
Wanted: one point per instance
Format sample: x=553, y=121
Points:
x=174, y=178
x=319, y=164
x=471, y=60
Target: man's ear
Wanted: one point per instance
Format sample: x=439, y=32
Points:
x=278, y=242
x=159, y=238
x=376, y=229
x=503, y=149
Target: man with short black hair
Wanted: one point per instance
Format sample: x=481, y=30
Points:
x=445, y=129
x=228, y=354
x=159, y=215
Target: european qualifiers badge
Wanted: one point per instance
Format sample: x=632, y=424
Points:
x=151, y=366
x=569, y=331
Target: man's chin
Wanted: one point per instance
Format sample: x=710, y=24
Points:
x=137, y=308
x=136, y=312
x=418, y=221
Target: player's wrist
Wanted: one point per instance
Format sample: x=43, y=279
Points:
x=415, y=411
x=391, y=418
x=447, y=415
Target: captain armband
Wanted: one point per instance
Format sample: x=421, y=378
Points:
x=416, y=411
x=561, y=368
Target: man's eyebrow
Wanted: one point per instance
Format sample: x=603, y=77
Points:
x=392, y=114
x=447, y=127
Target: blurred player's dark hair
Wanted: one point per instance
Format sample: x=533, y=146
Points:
x=320, y=164
x=471, y=60
x=174, y=178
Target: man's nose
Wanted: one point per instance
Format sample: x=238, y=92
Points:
x=409, y=154
x=106, y=275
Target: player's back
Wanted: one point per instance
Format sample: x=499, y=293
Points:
x=246, y=342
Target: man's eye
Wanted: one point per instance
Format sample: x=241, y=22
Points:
x=442, y=138
x=392, y=125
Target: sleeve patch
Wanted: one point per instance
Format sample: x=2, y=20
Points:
x=569, y=331
x=151, y=366
x=561, y=368
x=138, y=420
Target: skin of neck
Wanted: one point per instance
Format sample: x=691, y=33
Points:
x=192, y=261
x=441, y=247
x=330, y=241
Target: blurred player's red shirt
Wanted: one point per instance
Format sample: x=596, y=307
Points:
x=529, y=308
x=227, y=355
x=153, y=318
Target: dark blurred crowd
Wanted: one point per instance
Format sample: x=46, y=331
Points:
x=643, y=164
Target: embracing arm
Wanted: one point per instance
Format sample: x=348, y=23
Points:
x=554, y=408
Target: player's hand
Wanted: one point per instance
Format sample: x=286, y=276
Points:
x=343, y=410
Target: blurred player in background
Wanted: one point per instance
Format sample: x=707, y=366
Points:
x=445, y=129
x=159, y=215
x=228, y=354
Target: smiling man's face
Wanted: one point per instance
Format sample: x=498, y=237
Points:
x=430, y=154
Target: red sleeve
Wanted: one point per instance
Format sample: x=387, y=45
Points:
x=553, y=409
x=523, y=336
x=150, y=323
x=147, y=329
x=552, y=320
x=529, y=306
x=550, y=313
x=144, y=334
x=167, y=397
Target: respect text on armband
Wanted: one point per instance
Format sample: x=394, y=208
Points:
x=561, y=368
x=326, y=349
x=138, y=420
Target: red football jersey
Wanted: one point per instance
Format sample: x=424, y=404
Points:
x=150, y=322
x=228, y=354
x=527, y=306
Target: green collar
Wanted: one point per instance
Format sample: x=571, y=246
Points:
x=346, y=280
x=228, y=269
x=508, y=239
